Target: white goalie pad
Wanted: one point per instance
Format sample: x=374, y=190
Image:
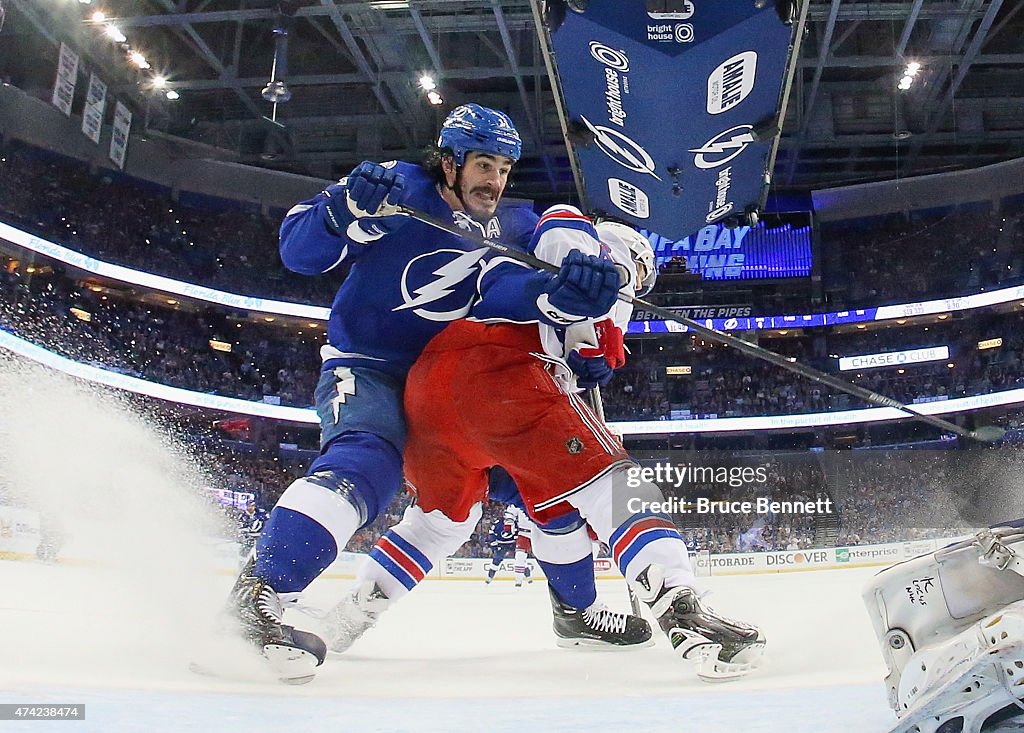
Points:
x=932, y=604
x=971, y=676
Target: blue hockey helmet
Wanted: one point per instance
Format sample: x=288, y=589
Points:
x=472, y=127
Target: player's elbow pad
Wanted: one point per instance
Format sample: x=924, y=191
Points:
x=307, y=248
x=293, y=259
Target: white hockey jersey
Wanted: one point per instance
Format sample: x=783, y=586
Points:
x=560, y=230
x=518, y=519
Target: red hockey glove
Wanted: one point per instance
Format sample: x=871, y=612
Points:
x=609, y=344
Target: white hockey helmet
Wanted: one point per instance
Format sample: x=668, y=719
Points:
x=626, y=242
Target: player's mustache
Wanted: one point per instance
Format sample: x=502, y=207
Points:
x=484, y=189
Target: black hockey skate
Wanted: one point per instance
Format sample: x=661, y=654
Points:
x=256, y=611
x=724, y=649
x=354, y=616
x=597, y=627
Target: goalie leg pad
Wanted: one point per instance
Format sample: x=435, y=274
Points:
x=928, y=600
x=971, y=676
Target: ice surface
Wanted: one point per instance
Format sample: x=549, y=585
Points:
x=117, y=631
x=453, y=656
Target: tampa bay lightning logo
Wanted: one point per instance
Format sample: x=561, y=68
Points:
x=622, y=149
x=723, y=147
x=435, y=279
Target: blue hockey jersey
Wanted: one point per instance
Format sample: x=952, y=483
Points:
x=404, y=287
x=503, y=533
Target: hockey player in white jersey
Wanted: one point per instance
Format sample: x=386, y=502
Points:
x=524, y=545
x=565, y=464
x=951, y=628
x=513, y=532
x=403, y=556
x=405, y=282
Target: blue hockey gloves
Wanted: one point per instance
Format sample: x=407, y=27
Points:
x=585, y=287
x=590, y=371
x=372, y=195
x=374, y=190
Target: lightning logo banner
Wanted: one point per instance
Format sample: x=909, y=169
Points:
x=661, y=97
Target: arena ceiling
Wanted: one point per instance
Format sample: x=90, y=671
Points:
x=353, y=66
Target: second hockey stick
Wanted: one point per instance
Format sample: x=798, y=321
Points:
x=597, y=405
x=984, y=434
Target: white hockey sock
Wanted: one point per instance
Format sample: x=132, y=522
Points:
x=638, y=540
x=561, y=549
x=408, y=551
x=520, y=566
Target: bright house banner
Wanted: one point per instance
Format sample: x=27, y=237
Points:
x=67, y=75
x=670, y=106
x=119, y=134
x=95, y=105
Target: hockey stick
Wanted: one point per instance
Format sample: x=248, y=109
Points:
x=597, y=404
x=984, y=434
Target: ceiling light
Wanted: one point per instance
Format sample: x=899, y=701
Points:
x=159, y=82
x=427, y=83
x=114, y=33
x=434, y=98
x=139, y=60
x=98, y=16
x=172, y=95
x=276, y=91
x=389, y=4
x=913, y=67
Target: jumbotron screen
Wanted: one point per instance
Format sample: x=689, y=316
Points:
x=778, y=247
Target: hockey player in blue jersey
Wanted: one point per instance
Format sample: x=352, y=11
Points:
x=503, y=536
x=511, y=531
x=570, y=473
x=406, y=281
x=250, y=525
x=433, y=527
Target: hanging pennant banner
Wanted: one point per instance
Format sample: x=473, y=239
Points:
x=95, y=105
x=67, y=74
x=119, y=134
